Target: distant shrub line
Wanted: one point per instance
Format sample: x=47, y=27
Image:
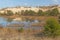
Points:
x=52, y=12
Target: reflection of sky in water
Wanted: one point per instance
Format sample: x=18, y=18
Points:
x=21, y=22
x=27, y=24
x=4, y=22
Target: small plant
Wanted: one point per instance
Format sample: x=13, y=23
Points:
x=20, y=30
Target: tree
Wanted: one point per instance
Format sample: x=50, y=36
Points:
x=9, y=13
x=40, y=13
x=22, y=12
x=52, y=27
x=31, y=13
x=26, y=12
x=18, y=13
x=54, y=12
x=47, y=13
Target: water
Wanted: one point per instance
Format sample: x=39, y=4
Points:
x=3, y=21
x=25, y=24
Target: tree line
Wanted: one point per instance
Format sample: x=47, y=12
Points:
x=53, y=12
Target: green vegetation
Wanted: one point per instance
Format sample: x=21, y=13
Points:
x=28, y=13
x=17, y=13
x=20, y=30
x=9, y=13
x=40, y=13
x=9, y=19
x=22, y=12
x=52, y=28
x=59, y=19
x=32, y=13
x=47, y=13
x=53, y=12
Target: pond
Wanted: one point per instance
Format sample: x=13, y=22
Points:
x=6, y=22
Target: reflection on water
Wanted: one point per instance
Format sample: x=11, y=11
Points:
x=13, y=23
x=3, y=21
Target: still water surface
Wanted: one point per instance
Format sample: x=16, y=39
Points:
x=26, y=24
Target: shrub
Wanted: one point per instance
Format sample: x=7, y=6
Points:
x=9, y=13
x=52, y=27
x=20, y=30
x=54, y=12
x=40, y=13
x=9, y=19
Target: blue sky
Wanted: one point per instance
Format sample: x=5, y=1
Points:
x=12, y=3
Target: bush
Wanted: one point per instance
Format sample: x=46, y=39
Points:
x=9, y=13
x=40, y=13
x=9, y=19
x=31, y=13
x=47, y=13
x=22, y=12
x=54, y=12
x=20, y=30
x=52, y=27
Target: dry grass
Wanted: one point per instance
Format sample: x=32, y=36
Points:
x=11, y=34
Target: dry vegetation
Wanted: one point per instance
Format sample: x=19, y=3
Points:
x=11, y=34
x=7, y=33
